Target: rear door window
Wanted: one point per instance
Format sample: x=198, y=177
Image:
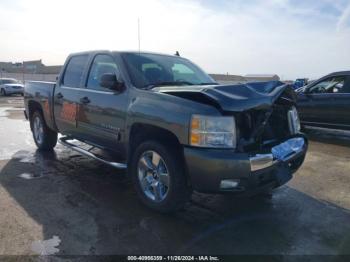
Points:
x=347, y=85
x=75, y=71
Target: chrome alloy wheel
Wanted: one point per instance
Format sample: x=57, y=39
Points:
x=38, y=130
x=153, y=176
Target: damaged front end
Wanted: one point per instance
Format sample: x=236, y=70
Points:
x=261, y=128
x=265, y=113
x=269, y=146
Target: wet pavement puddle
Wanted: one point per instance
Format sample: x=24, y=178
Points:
x=30, y=176
x=24, y=156
x=46, y=247
x=4, y=111
x=14, y=133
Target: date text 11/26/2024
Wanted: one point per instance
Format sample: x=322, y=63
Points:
x=173, y=258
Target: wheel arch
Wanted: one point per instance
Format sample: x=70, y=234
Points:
x=140, y=132
x=34, y=106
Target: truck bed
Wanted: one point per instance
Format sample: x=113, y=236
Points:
x=41, y=93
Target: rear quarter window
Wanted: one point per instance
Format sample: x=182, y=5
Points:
x=74, y=71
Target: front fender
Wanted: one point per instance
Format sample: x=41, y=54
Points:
x=165, y=111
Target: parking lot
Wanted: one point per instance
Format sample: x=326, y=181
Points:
x=64, y=203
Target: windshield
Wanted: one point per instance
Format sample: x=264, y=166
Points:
x=150, y=70
x=9, y=81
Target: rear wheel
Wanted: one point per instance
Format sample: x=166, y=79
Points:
x=3, y=92
x=159, y=177
x=45, y=139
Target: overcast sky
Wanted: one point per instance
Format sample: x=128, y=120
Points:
x=293, y=38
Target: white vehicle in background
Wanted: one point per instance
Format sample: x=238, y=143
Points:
x=10, y=86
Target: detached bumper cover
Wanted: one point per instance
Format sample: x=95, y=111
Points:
x=282, y=152
x=255, y=172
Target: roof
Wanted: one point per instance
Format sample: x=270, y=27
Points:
x=55, y=69
x=339, y=73
x=121, y=52
x=261, y=75
x=146, y=53
x=225, y=77
x=33, y=62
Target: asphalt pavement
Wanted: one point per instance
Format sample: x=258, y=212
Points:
x=66, y=204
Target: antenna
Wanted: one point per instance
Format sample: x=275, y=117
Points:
x=138, y=31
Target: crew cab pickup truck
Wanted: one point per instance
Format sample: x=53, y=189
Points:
x=170, y=125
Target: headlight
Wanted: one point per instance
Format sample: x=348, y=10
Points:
x=213, y=131
x=293, y=121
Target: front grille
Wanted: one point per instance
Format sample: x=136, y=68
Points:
x=277, y=127
x=259, y=126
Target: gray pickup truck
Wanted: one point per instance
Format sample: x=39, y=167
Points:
x=170, y=125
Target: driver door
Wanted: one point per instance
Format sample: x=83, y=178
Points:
x=102, y=111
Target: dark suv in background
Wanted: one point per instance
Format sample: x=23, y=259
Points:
x=326, y=102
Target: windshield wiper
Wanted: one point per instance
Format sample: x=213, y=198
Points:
x=168, y=83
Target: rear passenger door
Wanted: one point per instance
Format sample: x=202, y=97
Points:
x=341, y=102
x=102, y=111
x=67, y=94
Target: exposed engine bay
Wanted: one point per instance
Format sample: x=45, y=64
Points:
x=260, y=110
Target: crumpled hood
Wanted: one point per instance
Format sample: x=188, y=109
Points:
x=234, y=98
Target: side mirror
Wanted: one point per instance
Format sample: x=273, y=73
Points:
x=110, y=81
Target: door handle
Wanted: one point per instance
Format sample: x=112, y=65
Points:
x=59, y=96
x=85, y=100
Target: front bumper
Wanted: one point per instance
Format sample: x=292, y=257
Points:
x=213, y=170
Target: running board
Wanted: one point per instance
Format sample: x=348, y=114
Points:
x=64, y=141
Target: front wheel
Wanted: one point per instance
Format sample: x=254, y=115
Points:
x=44, y=138
x=159, y=177
x=3, y=92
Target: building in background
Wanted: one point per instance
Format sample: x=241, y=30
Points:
x=29, y=71
x=36, y=71
x=227, y=79
x=261, y=77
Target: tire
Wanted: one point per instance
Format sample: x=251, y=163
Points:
x=3, y=92
x=174, y=190
x=44, y=138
